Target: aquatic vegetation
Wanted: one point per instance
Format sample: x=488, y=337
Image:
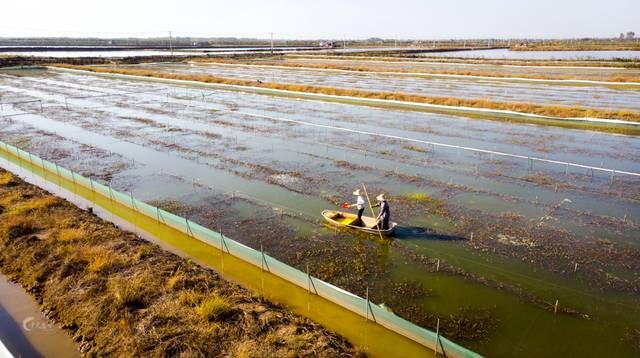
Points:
x=415, y=148
x=496, y=234
x=434, y=206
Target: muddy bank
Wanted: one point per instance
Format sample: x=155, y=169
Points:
x=117, y=294
x=16, y=61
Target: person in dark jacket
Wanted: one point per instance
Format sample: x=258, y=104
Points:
x=385, y=212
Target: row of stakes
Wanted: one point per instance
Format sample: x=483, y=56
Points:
x=432, y=147
x=233, y=193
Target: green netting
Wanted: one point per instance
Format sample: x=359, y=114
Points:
x=323, y=289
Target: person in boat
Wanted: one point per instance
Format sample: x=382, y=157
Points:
x=360, y=206
x=385, y=212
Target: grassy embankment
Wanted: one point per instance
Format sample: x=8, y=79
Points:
x=617, y=62
x=617, y=77
x=580, y=45
x=545, y=110
x=119, y=295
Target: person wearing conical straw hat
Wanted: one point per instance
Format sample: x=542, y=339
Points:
x=385, y=212
x=360, y=205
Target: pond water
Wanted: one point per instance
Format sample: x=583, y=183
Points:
x=538, y=55
x=238, y=161
x=585, y=96
x=141, y=53
x=25, y=331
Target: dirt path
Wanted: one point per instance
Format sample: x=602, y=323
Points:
x=117, y=294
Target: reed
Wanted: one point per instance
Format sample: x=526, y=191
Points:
x=521, y=107
x=579, y=45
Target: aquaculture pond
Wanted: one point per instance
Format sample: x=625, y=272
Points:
x=587, y=96
x=514, y=256
x=582, y=70
x=536, y=55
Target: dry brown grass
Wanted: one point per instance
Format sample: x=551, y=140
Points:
x=13, y=227
x=545, y=110
x=466, y=60
x=5, y=178
x=373, y=68
x=122, y=296
x=215, y=308
x=579, y=45
x=70, y=234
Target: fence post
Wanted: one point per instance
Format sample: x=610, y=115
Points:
x=367, y=307
x=613, y=176
x=133, y=204
x=310, y=282
x=186, y=220
x=223, y=244
x=261, y=258
x=435, y=351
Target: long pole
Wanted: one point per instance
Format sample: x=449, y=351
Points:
x=372, y=212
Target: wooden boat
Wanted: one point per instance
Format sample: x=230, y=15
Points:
x=342, y=219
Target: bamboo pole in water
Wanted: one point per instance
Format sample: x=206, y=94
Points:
x=372, y=212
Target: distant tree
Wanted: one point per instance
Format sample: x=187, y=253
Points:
x=631, y=35
x=621, y=36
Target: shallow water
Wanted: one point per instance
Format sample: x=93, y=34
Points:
x=538, y=55
x=586, y=96
x=582, y=71
x=195, y=146
x=25, y=331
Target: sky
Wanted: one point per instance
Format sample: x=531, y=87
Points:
x=335, y=19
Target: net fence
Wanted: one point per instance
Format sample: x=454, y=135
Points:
x=356, y=304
